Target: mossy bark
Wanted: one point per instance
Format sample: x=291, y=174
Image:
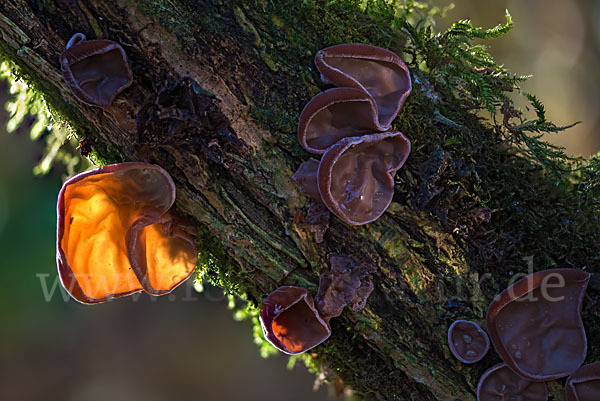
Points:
x=467, y=208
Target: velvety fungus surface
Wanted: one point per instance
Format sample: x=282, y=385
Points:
x=377, y=71
x=467, y=341
x=96, y=71
x=336, y=114
x=499, y=383
x=584, y=384
x=356, y=175
x=535, y=324
x=290, y=321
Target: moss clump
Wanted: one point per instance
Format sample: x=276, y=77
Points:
x=54, y=119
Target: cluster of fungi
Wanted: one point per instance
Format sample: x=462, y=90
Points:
x=350, y=126
x=117, y=233
x=535, y=326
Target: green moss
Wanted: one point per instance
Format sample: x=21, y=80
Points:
x=214, y=265
x=478, y=166
x=58, y=123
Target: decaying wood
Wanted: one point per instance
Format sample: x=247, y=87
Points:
x=232, y=161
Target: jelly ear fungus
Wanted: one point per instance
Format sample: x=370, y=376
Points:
x=501, y=383
x=96, y=71
x=347, y=283
x=584, y=384
x=116, y=235
x=376, y=71
x=535, y=324
x=336, y=114
x=291, y=322
x=467, y=341
x=356, y=175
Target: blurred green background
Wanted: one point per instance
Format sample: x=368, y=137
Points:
x=188, y=345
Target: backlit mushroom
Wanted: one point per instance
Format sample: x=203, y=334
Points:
x=467, y=341
x=584, y=383
x=535, y=324
x=335, y=114
x=501, y=383
x=356, y=175
x=290, y=321
x=378, y=72
x=95, y=70
x=116, y=235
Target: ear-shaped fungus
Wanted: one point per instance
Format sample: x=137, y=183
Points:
x=116, y=235
x=467, y=341
x=291, y=322
x=584, y=384
x=95, y=70
x=377, y=71
x=356, y=175
x=501, y=383
x=348, y=283
x=535, y=324
x=306, y=178
x=335, y=114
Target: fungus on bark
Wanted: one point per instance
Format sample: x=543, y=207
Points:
x=376, y=71
x=290, y=321
x=317, y=214
x=336, y=114
x=535, y=324
x=584, y=383
x=95, y=70
x=116, y=235
x=467, y=341
x=306, y=179
x=356, y=175
x=501, y=383
x=347, y=283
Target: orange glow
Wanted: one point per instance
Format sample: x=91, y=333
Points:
x=99, y=209
x=170, y=259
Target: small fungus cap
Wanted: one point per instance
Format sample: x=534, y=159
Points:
x=335, y=114
x=306, y=178
x=501, y=383
x=378, y=72
x=356, y=175
x=290, y=321
x=535, y=324
x=116, y=236
x=584, y=384
x=467, y=341
x=95, y=70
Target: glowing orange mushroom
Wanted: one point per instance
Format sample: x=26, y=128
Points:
x=116, y=235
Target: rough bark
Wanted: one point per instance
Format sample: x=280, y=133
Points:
x=442, y=252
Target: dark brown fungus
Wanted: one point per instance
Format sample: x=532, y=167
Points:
x=306, y=179
x=372, y=69
x=535, y=324
x=348, y=283
x=356, y=175
x=584, y=384
x=95, y=70
x=317, y=215
x=467, y=341
x=335, y=114
x=499, y=383
x=290, y=321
